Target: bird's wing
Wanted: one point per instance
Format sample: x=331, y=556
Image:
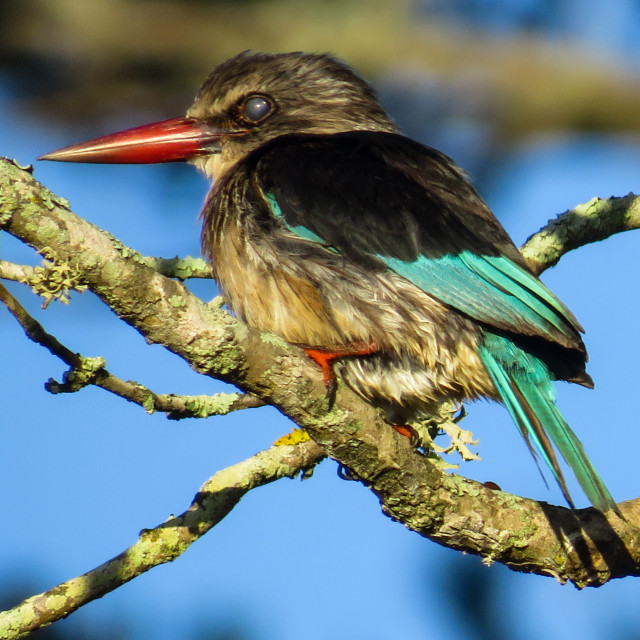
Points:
x=385, y=201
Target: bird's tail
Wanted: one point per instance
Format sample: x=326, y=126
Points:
x=525, y=386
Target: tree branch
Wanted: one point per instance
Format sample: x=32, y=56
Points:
x=593, y=221
x=164, y=543
x=581, y=546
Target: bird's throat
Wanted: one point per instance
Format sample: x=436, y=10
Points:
x=215, y=165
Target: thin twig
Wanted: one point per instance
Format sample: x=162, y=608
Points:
x=15, y=272
x=34, y=330
x=84, y=371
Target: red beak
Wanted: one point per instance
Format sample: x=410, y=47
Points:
x=167, y=141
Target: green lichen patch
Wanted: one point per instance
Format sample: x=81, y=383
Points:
x=273, y=339
x=177, y=301
x=54, y=279
x=128, y=252
x=49, y=200
x=445, y=423
x=77, y=377
x=204, y=406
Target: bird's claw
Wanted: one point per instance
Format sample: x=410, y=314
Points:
x=325, y=356
x=408, y=432
x=332, y=388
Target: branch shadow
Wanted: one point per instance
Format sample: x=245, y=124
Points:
x=580, y=531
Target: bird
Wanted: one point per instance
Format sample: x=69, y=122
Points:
x=325, y=225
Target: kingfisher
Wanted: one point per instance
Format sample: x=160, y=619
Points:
x=327, y=226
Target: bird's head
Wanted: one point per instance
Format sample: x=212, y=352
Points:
x=244, y=103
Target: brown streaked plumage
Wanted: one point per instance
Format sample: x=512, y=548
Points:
x=309, y=294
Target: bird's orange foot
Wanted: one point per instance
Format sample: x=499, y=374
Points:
x=325, y=356
x=405, y=430
x=408, y=432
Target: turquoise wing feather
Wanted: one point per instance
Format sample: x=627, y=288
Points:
x=524, y=383
x=490, y=289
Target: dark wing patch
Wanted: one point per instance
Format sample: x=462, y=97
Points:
x=386, y=201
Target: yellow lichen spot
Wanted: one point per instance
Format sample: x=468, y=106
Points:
x=295, y=437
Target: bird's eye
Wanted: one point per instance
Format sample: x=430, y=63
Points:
x=256, y=108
